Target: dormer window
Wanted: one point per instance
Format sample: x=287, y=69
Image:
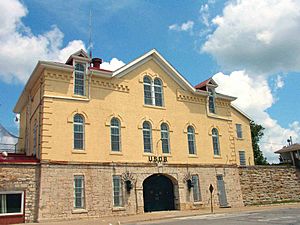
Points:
x=211, y=100
x=79, y=77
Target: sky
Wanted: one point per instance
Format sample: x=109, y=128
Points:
x=250, y=48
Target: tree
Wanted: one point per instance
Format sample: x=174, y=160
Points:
x=256, y=135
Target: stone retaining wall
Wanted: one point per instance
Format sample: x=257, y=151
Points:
x=269, y=184
x=22, y=177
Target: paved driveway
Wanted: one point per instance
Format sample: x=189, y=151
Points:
x=288, y=216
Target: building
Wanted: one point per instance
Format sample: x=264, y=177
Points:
x=290, y=154
x=138, y=139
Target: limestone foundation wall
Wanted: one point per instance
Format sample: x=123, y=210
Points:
x=22, y=177
x=57, y=192
x=269, y=184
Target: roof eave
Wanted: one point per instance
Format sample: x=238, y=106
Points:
x=241, y=112
x=40, y=66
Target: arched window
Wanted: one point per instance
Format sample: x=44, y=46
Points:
x=78, y=132
x=79, y=77
x=153, y=92
x=215, y=140
x=158, y=95
x=147, y=91
x=191, y=140
x=147, y=136
x=165, y=141
x=115, y=134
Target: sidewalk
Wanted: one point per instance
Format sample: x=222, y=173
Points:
x=122, y=220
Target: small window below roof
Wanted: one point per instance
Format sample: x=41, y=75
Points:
x=211, y=101
x=79, y=79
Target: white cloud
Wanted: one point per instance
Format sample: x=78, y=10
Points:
x=279, y=82
x=255, y=97
x=113, y=65
x=257, y=36
x=187, y=26
x=204, y=13
x=20, y=49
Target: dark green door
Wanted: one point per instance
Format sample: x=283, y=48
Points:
x=158, y=192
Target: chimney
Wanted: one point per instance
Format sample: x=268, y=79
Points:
x=96, y=62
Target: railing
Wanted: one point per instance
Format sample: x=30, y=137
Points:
x=9, y=148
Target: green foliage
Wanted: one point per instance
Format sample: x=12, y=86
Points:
x=256, y=135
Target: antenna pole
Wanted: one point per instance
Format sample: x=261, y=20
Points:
x=90, y=46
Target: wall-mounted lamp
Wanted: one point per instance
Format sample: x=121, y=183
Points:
x=128, y=185
x=189, y=184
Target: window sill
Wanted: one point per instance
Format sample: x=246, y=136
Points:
x=217, y=157
x=74, y=151
x=213, y=115
x=11, y=214
x=167, y=154
x=80, y=96
x=198, y=203
x=148, y=154
x=155, y=107
x=193, y=156
x=240, y=139
x=115, y=153
x=120, y=208
x=79, y=211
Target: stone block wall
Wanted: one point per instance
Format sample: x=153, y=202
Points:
x=22, y=177
x=269, y=184
x=57, y=191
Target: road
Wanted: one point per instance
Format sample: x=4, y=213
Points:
x=288, y=216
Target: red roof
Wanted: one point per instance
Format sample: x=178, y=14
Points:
x=202, y=84
x=18, y=158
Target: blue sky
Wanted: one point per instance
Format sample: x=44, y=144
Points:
x=250, y=47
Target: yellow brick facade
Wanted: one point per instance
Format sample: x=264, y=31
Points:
x=52, y=104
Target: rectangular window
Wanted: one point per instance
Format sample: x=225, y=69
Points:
x=211, y=104
x=11, y=203
x=239, y=132
x=242, y=158
x=79, y=197
x=196, y=188
x=117, y=189
x=79, y=76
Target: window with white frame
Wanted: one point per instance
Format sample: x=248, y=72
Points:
x=147, y=137
x=153, y=91
x=191, y=140
x=165, y=139
x=158, y=92
x=211, y=101
x=239, y=132
x=78, y=132
x=117, y=191
x=115, y=135
x=196, y=188
x=215, y=140
x=79, y=195
x=11, y=203
x=242, y=158
x=79, y=79
x=147, y=91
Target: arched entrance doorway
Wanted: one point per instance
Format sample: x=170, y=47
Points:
x=158, y=192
